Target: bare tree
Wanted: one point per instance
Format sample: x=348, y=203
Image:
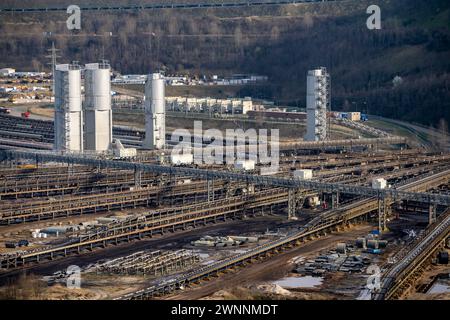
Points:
x=444, y=137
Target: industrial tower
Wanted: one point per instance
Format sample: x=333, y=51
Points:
x=68, y=115
x=317, y=104
x=155, y=109
x=97, y=106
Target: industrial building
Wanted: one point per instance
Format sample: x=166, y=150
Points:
x=6, y=72
x=68, y=115
x=97, y=107
x=155, y=126
x=210, y=105
x=317, y=104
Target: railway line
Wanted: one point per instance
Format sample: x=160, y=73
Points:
x=195, y=214
x=38, y=134
x=327, y=160
x=64, y=207
x=156, y=222
x=79, y=183
x=75, y=190
x=325, y=223
x=397, y=279
x=159, y=6
x=32, y=210
x=30, y=182
x=229, y=176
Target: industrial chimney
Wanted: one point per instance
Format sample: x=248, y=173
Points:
x=155, y=109
x=68, y=115
x=97, y=107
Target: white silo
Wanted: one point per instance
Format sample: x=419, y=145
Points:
x=317, y=104
x=68, y=124
x=155, y=126
x=97, y=107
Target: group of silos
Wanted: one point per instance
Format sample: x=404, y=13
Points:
x=87, y=125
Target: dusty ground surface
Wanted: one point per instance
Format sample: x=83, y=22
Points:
x=20, y=231
x=168, y=241
x=239, y=284
x=428, y=276
x=255, y=281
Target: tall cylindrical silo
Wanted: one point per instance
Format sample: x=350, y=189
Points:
x=155, y=111
x=97, y=107
x=68, y=125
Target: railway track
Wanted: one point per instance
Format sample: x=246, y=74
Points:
x=325, y=223
x=41, y=127
x=69, y=206
x=35, y=210
x=226, y=175
x=156, y=222
x=39, y=134
x=397, y=279
x=55, y=184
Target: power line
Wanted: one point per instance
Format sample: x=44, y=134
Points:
x=53, y=57
x=229, y=4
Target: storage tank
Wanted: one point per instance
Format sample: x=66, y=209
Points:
x=372, y=244
x=97, y=107
x=155, y=105
x=68, y=126
x=382, y=243
x=361, y=242
x=341, y=248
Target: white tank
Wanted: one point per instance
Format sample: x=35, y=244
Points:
x=97, y=107
x=155, y=92
x=68, y=125
x=97, y=87
x=155, y=105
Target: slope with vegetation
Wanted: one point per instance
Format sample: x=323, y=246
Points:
x=282, y=42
